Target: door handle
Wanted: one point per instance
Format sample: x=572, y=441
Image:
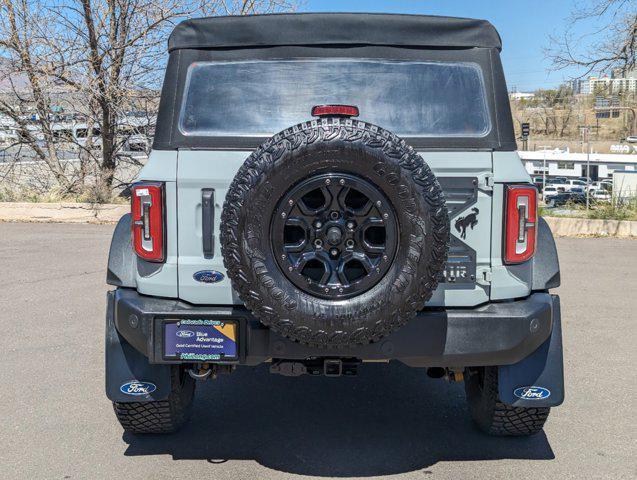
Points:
x=208, y=222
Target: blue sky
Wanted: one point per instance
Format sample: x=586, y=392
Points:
x=524, y=26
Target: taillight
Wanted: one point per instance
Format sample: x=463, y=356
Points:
x=335, y=111
x=147, y=208
x=521, y=223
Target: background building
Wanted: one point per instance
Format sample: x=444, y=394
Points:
x=616, y=83
x=573, y=165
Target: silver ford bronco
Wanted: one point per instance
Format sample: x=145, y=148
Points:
x=326, y=190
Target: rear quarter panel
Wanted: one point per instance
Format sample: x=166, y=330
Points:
x=507, y=281
x=160, y=279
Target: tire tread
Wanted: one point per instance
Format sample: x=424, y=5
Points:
x=494, y=417
x=161, y=416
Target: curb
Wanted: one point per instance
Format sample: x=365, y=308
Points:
x=111, y=213
x=62, y=212
x=582, y=227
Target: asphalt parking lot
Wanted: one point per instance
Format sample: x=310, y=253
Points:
x=56, y=422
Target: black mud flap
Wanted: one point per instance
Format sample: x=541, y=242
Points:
x=129, y=376
x=538, y=380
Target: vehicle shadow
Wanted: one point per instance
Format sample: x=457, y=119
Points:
x=390, y=419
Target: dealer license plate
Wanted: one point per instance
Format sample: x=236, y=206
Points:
x=200, y=340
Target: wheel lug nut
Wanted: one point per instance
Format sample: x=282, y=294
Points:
x=290, y=202
x=378, y=204
x=334, y=215
x=327, y=181
x=334, y=252
x=350, y=243
x=318, y=243
x=385, y=215
x=350, y=225
x=282, y=214
x=290, y=269
x=341, y=181
x=318, y=224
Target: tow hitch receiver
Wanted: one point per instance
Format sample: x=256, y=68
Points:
x=330, y=367
x=333, y=368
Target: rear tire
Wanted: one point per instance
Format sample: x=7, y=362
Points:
x=162, y=416
x=494, y=417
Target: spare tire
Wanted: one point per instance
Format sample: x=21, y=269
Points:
x=334, y=232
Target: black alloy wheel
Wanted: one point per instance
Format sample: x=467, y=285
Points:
x=334, y=235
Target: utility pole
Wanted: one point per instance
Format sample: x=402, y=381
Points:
x=544, y=147
x=587, y=138
x=588, y=170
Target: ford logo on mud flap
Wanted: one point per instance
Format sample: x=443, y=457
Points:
x=208, y=276
x=136, y=388
x=185, y=333
x=532, y=393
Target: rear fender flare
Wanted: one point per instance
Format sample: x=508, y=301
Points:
x=121, y=258
x=546, y=265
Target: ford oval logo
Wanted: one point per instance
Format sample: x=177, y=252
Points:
x=185, y=333
x=532, y=393
x=208, y=276
x=137, y=388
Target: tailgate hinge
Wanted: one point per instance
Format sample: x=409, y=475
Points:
x=483, y=275
x=486, y=181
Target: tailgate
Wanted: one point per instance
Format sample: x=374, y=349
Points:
x=464, y=176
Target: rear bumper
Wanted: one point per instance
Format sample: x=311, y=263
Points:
x=501, y=333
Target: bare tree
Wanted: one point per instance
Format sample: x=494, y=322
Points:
x=611, y=44
x=551, y=112
x=104, y=58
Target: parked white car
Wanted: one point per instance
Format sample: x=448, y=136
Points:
x=601, y=195
x=570, y=184
x=559, y=187
x=550, y=191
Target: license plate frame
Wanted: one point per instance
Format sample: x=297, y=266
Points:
x=203, y=340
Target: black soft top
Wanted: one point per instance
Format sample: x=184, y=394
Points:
x=333, y=29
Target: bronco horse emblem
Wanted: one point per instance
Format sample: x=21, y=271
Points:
x=470, y=220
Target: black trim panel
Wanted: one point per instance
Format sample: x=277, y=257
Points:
x=208, y=222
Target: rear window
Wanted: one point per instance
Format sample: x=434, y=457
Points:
x=260, y=98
